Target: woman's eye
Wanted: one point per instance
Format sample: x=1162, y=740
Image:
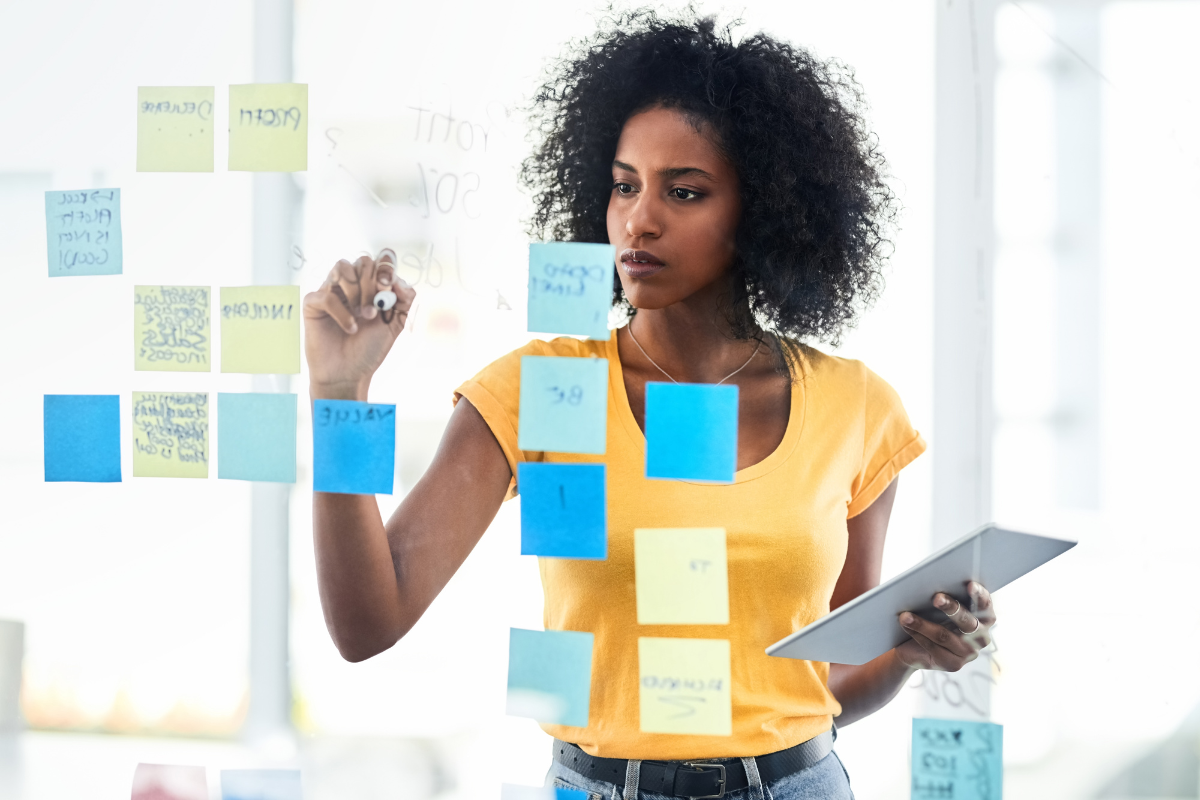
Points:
x=623, y=188
x=684, y=194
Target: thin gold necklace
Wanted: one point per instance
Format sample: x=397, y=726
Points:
x=629, y=328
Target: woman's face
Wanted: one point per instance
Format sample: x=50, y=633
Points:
x=673, y=211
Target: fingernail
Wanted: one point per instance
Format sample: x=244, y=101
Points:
x=353, y=326
x=369, y=312
x=906, y=618
x=941, y=601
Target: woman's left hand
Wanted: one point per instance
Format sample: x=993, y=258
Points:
x=939, y=647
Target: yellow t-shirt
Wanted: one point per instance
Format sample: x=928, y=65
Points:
x=785, y=520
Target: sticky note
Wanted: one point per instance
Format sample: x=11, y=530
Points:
x=564, y=404
x=354, y=447
x=256, y=437
x=510, y=791
x=260, y=784
x=550, y=676
x=268, y=127
x=82, y=436
x=563, y=510
x=260, y=329
x=681, y=576
x=571, y=288
x=170, y=435
x=175, y=129
x=684, y=686
x=171, y=329
x=957, y=760
x=169, y=782
x=83, y=232
x=691, y=431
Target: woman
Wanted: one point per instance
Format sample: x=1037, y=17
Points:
x=748, y=209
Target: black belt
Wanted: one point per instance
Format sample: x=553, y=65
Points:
x=708, y=778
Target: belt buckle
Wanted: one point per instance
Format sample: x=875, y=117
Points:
x=720, y=780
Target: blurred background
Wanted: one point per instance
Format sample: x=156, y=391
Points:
x=1038, y=323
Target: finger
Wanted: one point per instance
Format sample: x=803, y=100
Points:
x=325, y=302
x=939, y=657
x=948, y=640
x=385, y=270
x=958, y=613
x=397, y=317
x=981, y=603
x=365, y=304
x=346, y=285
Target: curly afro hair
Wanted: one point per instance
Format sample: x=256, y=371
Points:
x=816, y=210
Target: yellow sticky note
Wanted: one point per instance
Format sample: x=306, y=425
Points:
x=171, y=328
x=175, y=129
x=684, y=686
x=268, y=127
x=681, y=576
x=260, y=329
x=170, y=435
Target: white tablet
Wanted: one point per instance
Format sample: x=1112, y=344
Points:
x=868, y=626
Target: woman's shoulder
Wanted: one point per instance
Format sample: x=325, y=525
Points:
x=840, y=376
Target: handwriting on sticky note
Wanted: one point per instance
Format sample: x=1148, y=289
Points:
x=169, y=782
x=564, y=512
x=957, y=760
x=175, y=129
x=170, y=435
x=261, y=784
x=570, y=288
x=550, y=676
x=563, y=404
x=681, y=576
x=684, y=686
x=354, y=447
x=82, y=437
x=268, y=127
x=83, y=232
x=256, y=437
x=691, y=431
x=171, y=329
x=260, y=329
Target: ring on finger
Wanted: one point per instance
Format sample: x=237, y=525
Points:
x=974, y=630
x=957, y=608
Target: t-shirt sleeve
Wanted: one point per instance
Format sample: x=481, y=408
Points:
x=496, y=393
x=890, y=443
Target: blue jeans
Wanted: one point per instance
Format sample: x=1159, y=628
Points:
x=825, y=780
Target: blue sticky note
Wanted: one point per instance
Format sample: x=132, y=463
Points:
x=571, y=288
x=569, y=794
x=691, y=431
x=256, y=437
x=550, y=676
x=563, y=510
x=83, y=232
x=354, y=447
x=260, y=784
x=957, y=760
x=564, y=404
x=82, y=435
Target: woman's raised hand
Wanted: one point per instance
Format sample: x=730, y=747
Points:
x=935, y=646
x=346, y=337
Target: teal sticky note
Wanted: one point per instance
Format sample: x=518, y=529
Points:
x=691, y=431
x=564, y=404
x=571, y=288
x=550, y=676
x=260, y=784
x=82, y=437
x=83, y=232
x=564, y=513
x=256, y=437
x=354, y=447
x=957, y=760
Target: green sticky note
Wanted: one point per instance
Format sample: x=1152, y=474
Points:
x=260, y=329
x=175, y=129
x=564, y=404
x=170, y=435
x=171, y=331
x=684, y=686
x=256, y=437
x=681, y=576
x=268, y=127
x=957, y=760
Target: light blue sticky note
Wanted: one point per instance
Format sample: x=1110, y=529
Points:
x=256, y=437
x=563, y=510
x=82, y=437
x=691, y=431
x=260, y=784
x=564, y=404
x=571, y=287
x=354, y=447
x=83, y=232
x=550, y=676
x=957, y=760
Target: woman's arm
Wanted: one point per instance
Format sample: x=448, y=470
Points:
x=862, y=690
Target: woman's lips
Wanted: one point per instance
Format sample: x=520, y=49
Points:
x=640, y=263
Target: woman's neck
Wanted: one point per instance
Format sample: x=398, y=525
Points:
x=691, y=340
